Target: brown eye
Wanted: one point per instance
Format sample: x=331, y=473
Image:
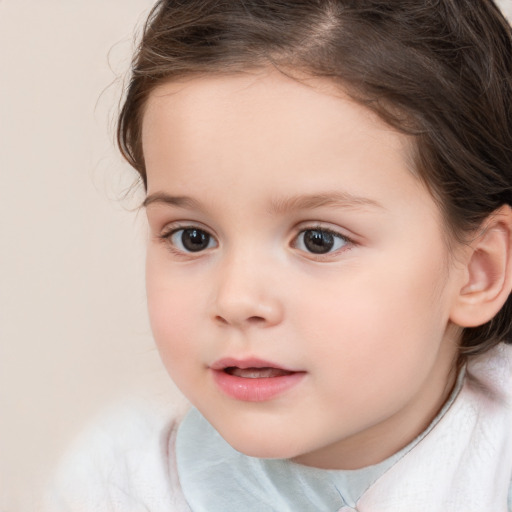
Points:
x=191, y=240
x=319, y=241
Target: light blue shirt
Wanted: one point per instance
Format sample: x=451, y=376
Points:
x=216, y=478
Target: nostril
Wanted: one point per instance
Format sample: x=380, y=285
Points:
x=221, y=320
x=244, y=310
x=255, y=320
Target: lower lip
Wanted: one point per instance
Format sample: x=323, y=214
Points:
x=255, y=390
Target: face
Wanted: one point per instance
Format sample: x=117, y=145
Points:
x=298, y=282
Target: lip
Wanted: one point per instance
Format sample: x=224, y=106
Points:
x=251, y=362
x=259, y=389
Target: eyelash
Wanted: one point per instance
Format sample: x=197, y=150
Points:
x=167, y=236
x=333, y=234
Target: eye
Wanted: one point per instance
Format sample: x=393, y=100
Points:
x=190, y=240
x=319, y=241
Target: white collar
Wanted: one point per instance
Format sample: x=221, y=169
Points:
x=216, y=478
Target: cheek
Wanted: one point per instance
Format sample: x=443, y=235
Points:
x=381, y=318
x=173, y=313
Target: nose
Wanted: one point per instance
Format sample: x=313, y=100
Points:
x=246, y=295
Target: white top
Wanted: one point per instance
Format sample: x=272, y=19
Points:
x=146, y=459
x=254, y=484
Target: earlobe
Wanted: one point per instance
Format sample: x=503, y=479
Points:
x=488, y=272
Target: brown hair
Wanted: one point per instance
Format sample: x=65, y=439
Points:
x=439, y=70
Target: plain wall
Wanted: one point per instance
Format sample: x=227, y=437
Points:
x=74, y=334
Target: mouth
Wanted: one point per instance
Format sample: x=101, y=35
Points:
x=256, y=373
x=253, y=380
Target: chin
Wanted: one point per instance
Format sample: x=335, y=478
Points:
x=264, y=451
x=261, y=445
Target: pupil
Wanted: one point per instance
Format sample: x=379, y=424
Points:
x=195, y=240
x=318, y=242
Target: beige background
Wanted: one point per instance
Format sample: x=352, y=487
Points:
x=74, y=335
x=73, y=330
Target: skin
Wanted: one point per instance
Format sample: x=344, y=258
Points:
x=368, y=322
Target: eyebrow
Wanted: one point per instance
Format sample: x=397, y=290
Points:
x=277, y=206
x=329, y=200
x=163, y=198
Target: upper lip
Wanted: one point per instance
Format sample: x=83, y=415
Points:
x=229, y=362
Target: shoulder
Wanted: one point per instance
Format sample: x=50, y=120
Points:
x=491, y=374
x=124, y=460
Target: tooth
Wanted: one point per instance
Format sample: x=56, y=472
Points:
x=258, y=373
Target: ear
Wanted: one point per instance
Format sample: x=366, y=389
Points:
x=487, y=280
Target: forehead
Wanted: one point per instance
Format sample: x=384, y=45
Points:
x=253, y=126
x=267, y=106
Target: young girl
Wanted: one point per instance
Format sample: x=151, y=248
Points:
x=329, y=262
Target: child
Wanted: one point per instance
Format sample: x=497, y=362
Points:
x=329, y=262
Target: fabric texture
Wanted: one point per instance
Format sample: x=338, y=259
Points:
x=249, y=483
x=133, y=461
x=124, y=462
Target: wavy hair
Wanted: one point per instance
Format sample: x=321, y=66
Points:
x=438, y=70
